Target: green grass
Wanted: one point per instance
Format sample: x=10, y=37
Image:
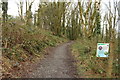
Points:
x=88, y=65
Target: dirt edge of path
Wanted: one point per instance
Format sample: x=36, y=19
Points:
x=73, y=60
x=29, y=66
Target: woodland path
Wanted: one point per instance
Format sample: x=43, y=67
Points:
x=58, y=64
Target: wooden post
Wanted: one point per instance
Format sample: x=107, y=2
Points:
x=110, y=59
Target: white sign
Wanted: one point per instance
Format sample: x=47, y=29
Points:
x=102, y=49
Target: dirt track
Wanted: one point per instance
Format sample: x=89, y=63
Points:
x=59, y=64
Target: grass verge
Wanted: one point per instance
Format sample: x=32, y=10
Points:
x=88, y=65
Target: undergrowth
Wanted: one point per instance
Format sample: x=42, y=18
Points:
x=88, y=65
x=21, y=44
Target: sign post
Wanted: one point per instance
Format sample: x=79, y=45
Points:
x=102, y=50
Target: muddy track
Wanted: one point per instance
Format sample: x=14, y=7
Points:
x=58, y=64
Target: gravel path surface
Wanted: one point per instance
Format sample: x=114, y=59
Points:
x=59, y=64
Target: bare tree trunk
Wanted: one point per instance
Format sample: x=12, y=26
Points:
x=112, y=38
x=20, y=9
x=119, y=35
x=4, y=9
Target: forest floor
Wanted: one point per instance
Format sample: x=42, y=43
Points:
x=57, y=64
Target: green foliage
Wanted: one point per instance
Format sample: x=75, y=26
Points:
x=22, y=39
x=49, y=16
x=98, y=24
x=106, y=53
x=4, y=9
x=21, y=44
x=84, y=52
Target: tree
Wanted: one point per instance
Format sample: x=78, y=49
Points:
x=88, y=14
x=111, y=20
x=4, y=9
x=0, y=10
x=119, y=34
x=52, y=16
x=97, y=30
x=29, y=13
x=20, y=9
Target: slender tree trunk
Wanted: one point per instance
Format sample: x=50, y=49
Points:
x=119, y=46
x=4, y=9
x=63, y=18
x=119, y=35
